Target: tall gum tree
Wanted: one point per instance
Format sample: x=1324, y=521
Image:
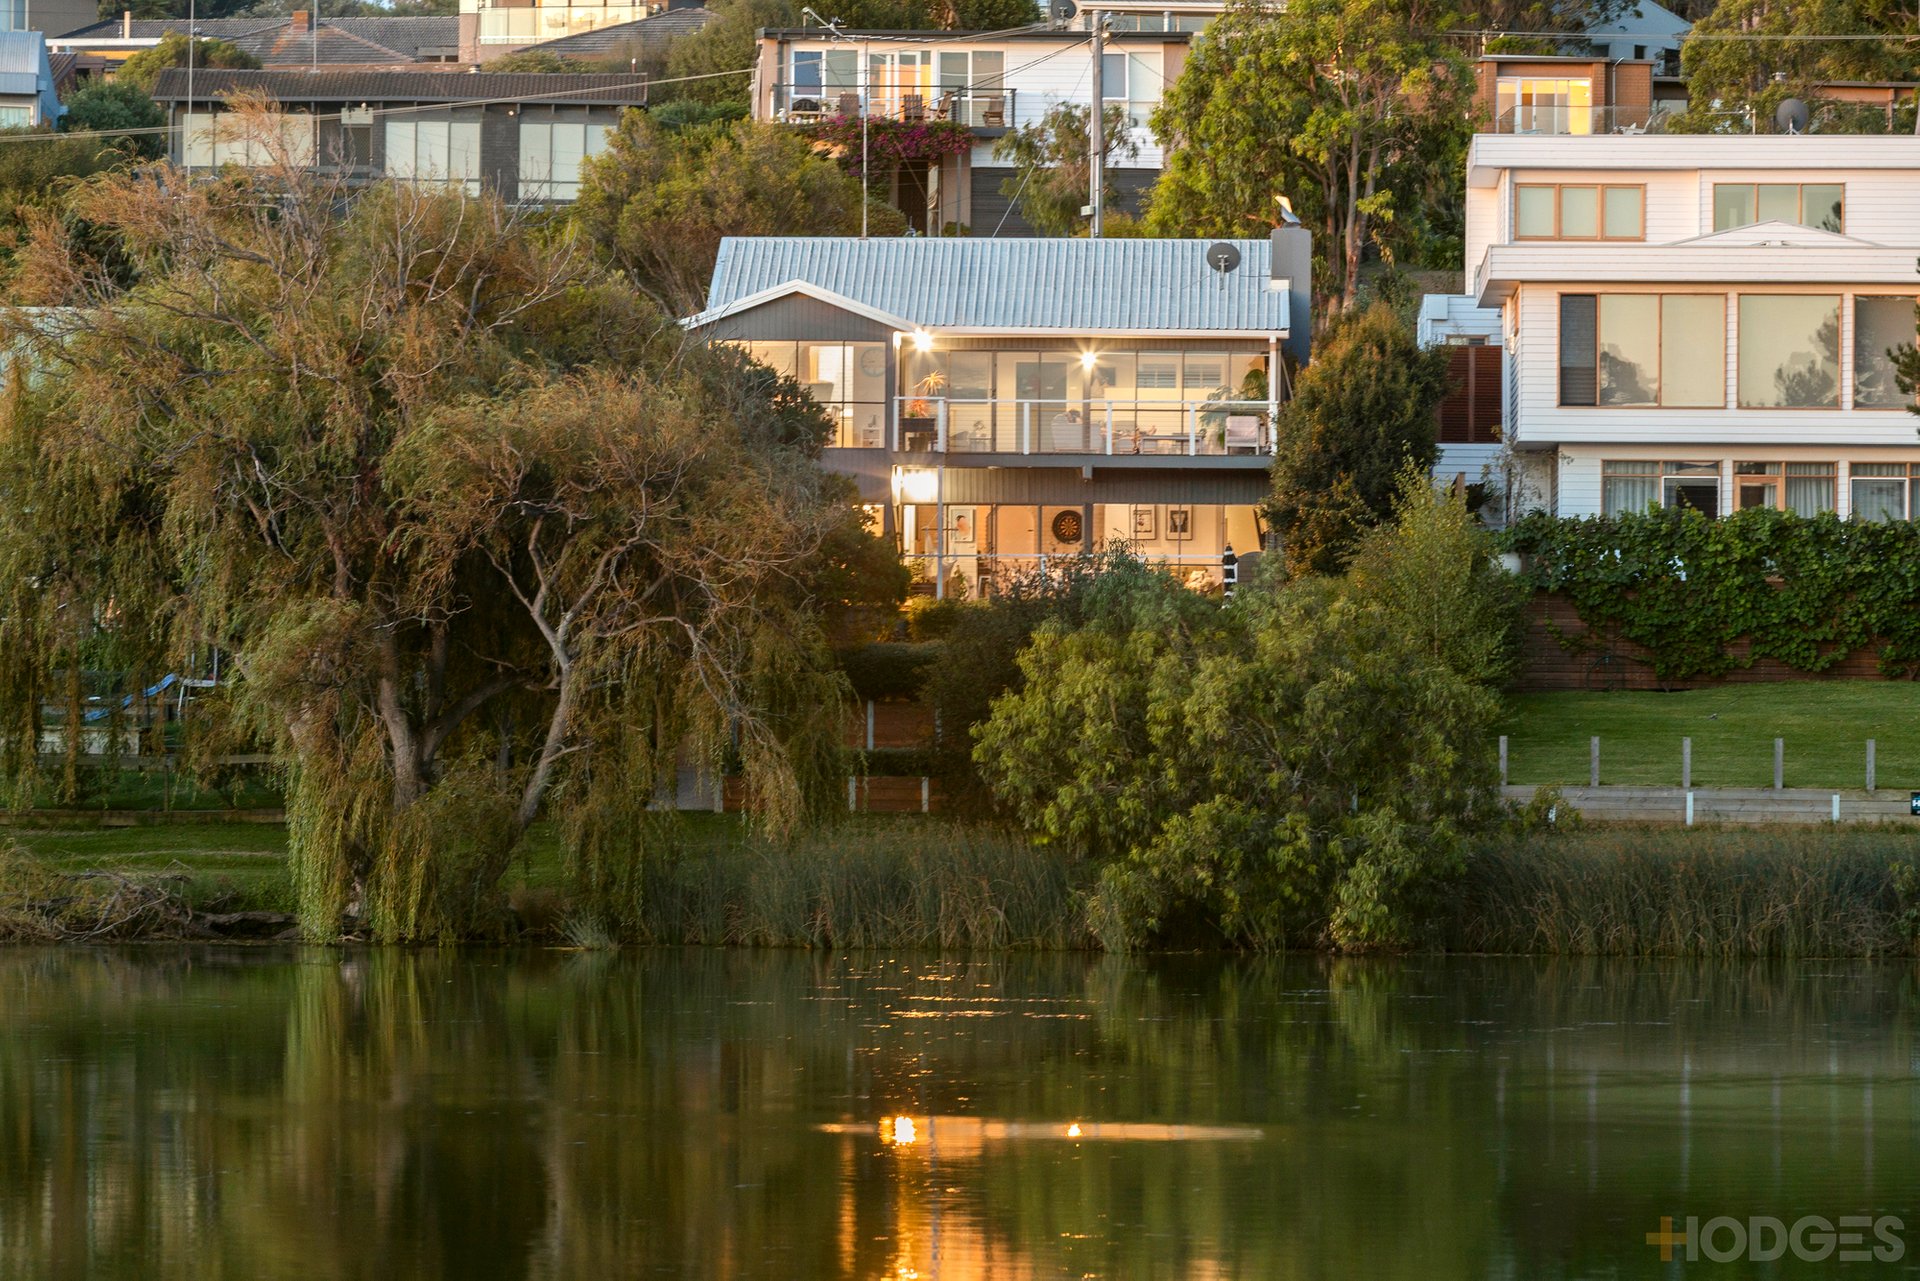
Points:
x=480, y=536
x=1353, y=109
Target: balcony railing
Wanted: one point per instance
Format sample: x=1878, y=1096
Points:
x=1195, y=428
x=530, y=25
x=1574, y=121
x=990, y=573
x=977, y=108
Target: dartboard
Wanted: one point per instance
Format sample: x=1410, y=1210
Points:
x=1066, y=527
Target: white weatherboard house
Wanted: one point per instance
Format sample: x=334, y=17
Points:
x=1699, y=321
x=1003, y=402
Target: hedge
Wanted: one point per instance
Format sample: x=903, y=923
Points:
x=1806, y=591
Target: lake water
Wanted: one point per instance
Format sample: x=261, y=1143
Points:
x=230, y=1113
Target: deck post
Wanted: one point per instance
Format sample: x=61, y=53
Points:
x=1689, y=809
x=1503, y=760
x=1593, y=761
x=1686, y=763
x=1779, y=763
x=1869, y=767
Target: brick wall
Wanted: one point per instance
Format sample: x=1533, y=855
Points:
x=1613, y=663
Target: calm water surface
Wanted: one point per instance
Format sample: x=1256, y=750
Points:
x=208, y=1113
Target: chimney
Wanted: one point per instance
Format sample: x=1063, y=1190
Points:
x=302, y=20
x=1292, y=269
x=126, y=24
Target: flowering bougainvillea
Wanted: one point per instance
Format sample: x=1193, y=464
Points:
x=892, y=143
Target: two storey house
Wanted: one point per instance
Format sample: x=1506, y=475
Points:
x=1698, y=321
x=1002, y=402
x=992, y=83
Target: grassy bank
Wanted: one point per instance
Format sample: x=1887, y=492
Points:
x=1825, y=724
x=913, y=882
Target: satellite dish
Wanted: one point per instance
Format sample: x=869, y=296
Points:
x=1063, y=10
x=1223, y=257
x=1791, y=116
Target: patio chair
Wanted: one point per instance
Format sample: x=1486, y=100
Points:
x=993, y=113
x=1242, y=434
x=913, y=108
x=849, y=104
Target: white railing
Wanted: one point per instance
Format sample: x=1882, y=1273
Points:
x=987, y=572
x=975, y=108
x=1192, y=428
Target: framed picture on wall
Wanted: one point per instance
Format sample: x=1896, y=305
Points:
x=964, y=527
x=1180, y=523
x=1145, y=524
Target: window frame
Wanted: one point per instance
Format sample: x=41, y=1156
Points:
x=1600, y=190
x=1800, y=203
x=1842, y=360
x=1853, y=354
x=1659, y=344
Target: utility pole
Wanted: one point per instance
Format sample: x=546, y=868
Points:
x=1097, y=127
x=186, y=134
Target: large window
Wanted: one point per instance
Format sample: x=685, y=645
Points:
x=1806, y=489
x=1882, y=324
x=825, y=72
x=1885, y=491
x=1741, y=204
x=849, y=380
x=1628, y=487
x=1533, y=104
x=1789, y=351
x=1624, y=350
x=233, y=138
x=551, y=152
x=1579, y=213
x=972, y=81
x=439, y=150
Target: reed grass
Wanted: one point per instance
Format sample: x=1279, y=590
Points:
x=1801, y=892
x=905, y=883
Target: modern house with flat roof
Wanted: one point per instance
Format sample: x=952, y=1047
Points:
x=1697, y=321
x=1001, y=402
x=993, y=83
x=523, y=136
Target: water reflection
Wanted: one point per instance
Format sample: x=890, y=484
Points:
x=204, y=1112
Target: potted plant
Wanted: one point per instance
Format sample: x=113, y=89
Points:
x=919, y=422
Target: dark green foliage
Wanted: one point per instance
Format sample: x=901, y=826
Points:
x=536, y=59
x=1363, y=411
x=1297, y=768
x=104, y=106
x=1806, y=592
x=143, y=69
x=994, y=15
x=1049, y=157
x=889, y=670
x=1746, y=57
x=35, y=178
x=684, y=113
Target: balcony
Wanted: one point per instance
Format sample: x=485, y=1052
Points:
x=1560, y=120
x=985, y=109
x=1116, y=428
x=531, y=25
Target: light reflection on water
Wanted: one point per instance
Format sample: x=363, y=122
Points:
x=175, y=1113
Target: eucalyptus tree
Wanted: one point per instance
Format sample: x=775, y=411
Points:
x=480, y=537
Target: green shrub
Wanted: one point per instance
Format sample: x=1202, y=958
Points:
x=1806, y=591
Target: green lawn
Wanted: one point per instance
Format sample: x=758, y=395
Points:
x=1825, y=725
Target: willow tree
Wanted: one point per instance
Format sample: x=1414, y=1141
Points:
x=478, y=536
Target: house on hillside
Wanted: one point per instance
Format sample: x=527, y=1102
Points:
x=297, y=39
x=1003, y=402
x=1697, y=321
x=27, y=92
x=991, y=83
x=522, y=136
x=638, y=43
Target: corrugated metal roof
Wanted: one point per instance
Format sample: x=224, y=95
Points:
x=1069, y=285
x=293, y=86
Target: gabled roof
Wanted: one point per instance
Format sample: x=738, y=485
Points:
x=646, y=35
x=1774, y=233
x=1642, y=18
x=288, y=85
x=24, y=69
x=788, y=290
x=1035, y=286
